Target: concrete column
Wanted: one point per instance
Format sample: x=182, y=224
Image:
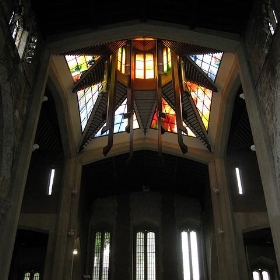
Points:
x=122, y=257
x=169, y=243
x=266, y=161
x=9, y=222
x=223, y=222
x=67, y=220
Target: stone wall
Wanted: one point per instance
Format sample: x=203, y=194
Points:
x=16, y=78
x=264, y=59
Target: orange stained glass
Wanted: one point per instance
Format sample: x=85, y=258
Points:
x=149, y=66
x=169, y=121
x=139, y=66
x=121, y=60
x=144, y=66
x=202, y=98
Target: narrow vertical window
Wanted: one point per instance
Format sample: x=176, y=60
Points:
x=121, y=60
x=51, y=178
x=101, y=256
x=261, y=275
x=139, y=66
x=166, y=60
x=36, y=276
x=31, y=275
x=149, y=66
x=27, y=276
x=238, y=179
x=145, y=259
x=190, y=255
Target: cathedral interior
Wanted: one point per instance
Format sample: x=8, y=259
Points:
x=129, y=125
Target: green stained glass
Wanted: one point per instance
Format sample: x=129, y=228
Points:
x=79, y=64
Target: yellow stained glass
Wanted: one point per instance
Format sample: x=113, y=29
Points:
x=202, y=98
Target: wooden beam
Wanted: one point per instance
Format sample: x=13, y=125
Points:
x=178, y=103
x=111, y=106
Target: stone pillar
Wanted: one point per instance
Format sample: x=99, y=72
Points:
x=122, y=257
x=67, y=221
x=169, y=243
x=268, y=160
x=9, y=219
x=223, y=222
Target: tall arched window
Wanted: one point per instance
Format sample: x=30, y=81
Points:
x=145, y=255
x=102, y=242
x=190, y=255
x=31, y=275
x=261, y=274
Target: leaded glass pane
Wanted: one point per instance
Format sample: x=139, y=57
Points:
x=120, y=122
x=27, y=276
x=140, y=256
x=151, y=256
x=202, y=98
x=97, y=256
x=209, y=63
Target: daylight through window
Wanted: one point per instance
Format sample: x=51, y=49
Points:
x=190, y=255
x=101, y=255
x=261, y=275
x=145, y=255
x=51, y=178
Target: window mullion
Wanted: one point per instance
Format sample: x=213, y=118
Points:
x=145, y=255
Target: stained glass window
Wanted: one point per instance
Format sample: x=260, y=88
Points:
x=166, y=60
x=202, y=98
x=145, y=252
x=144, y=66
x=121, y=59
x=86, y=100
x=169, y=121
x=79, y=64
x=101, y=255
x=87, y=97
x=120, y=122
x=209, y=63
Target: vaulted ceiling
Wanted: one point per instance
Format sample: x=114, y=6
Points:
x=178, y=175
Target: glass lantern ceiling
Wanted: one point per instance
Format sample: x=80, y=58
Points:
x=202, y=96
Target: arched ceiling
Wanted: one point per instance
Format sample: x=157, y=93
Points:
x=177, y=175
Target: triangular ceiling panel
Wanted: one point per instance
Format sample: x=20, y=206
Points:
x=196, y=75
x=145, y=103
x=98, y=114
